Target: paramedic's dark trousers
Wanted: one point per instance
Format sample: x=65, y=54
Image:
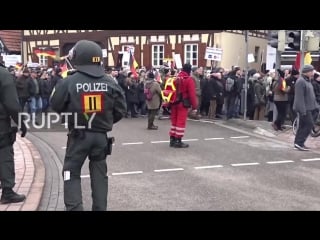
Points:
x=304, y=129
x=93, y=145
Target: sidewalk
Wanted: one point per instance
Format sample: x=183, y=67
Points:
x=30, y=176
x=264, y=128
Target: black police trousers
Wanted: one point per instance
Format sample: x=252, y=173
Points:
x=91, y=145
x=7, y=172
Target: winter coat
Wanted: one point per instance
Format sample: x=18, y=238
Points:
x=22, y=86
x=155, y=89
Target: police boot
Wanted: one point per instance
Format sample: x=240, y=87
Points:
x=172, y=141
x=180, y=144
x=9, y=196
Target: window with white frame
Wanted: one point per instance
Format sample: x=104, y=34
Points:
x=191, y=54
x=43, y=60
x=157, y=55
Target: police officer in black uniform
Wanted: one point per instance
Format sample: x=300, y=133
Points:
x=9, y=109
x=96, y=103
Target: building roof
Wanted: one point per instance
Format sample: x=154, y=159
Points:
x=12, y=40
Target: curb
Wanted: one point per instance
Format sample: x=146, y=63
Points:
x=30, y=176
x=251, y=125
x=34, y=197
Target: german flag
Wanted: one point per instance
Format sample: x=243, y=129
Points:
x=19, y=66
x=282, y=84
x=45, y=52
x=307, y=58
x=297, y=62
x=64, y=70
x=133, y=65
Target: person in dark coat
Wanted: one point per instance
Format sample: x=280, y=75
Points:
x=141, y=96
x=45, y=91
x=290, y=81
x=260, y=98
x=56, y=77
x=132, y=95
x=22, y=88
x=213, y=92
x=220, y=93
x=304, y=104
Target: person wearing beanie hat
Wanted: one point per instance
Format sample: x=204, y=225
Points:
x=294, y=72
x=307, y=68
x=281, y=73
x=187, y=68
x=150, y=75
x=185, y=98
x=305, y=105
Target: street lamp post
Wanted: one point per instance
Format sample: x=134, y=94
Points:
x=246, y=76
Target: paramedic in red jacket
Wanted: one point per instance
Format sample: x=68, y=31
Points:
x=179, y=112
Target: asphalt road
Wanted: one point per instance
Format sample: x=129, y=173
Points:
x=222, y=169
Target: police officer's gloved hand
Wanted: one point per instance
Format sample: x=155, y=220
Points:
x=23, y=129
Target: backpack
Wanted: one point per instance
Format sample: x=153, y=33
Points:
x=148, y=93
x=169, y=92
x=229, y=84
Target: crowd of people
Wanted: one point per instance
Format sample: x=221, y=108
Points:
x=220, y=92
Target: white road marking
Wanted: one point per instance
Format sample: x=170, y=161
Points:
x=244, y=164
x=160, y=141
x=169, y=170
x=209, y=139
x=64, y=147
x=127, y=173
x=85, y=176
x=88, y=176
x=206, y=121
x=132, y=143
x=205, y=167
x=310, y=159
x=240, y=137
x=190, y=140
x=276, y=162
x=194, y=120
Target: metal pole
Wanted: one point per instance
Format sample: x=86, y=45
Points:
x=67, y=60
x=246, y=76
x=302, y=51
x=278, y=60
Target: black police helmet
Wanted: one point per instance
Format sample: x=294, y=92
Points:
x=87, y=56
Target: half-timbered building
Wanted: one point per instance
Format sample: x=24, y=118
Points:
x=151, y=47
